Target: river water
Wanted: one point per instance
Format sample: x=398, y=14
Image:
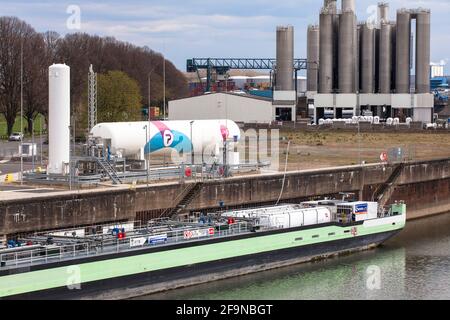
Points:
x=413, y=265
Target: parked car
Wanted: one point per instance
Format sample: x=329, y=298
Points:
x=16, y=136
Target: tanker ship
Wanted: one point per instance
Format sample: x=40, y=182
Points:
x=125, y=260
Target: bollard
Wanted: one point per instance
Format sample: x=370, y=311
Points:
x=9, y=178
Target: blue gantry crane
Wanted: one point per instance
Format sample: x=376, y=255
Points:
x=223, y=65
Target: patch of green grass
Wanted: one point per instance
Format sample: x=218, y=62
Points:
x=16, y=127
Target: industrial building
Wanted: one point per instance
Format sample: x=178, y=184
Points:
x=243, y=108
x=279, y=103
x=366, y=67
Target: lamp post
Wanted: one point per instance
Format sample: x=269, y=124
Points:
x=149, y=122
x=192, y=145
x=70, y=158
x=164, y=86
x=146, y=142
x=32, y=144
x=40, y=134
x=21, y=112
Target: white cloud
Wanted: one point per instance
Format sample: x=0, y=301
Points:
x=208, y=28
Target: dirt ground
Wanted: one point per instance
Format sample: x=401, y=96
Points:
x=309, y=150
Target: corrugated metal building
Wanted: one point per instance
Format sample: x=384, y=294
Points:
x=237, y=107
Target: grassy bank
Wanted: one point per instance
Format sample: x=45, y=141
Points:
x=16, y=128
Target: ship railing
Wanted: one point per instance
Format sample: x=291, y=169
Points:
x=44, y=255
x=111, y=244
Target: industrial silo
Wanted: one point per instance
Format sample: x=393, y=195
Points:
x=385, y=54
x=313, y=58
x=393, y=55
x=326, y=50
x=330, y=6
x=423, y=51
x=58, y=119
x=367, y=58
x=285, y=59
x=403, y=48
x=358, y=58
x=346, y=52
x=348, y=5
x=383, y=12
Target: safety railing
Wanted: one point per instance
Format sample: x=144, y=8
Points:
x=107, y=244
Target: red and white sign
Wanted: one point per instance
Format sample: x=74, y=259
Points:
x=192, y=234
x=384, y=157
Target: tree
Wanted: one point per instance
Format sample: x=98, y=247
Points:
x=14, y=35
x=119, y=97
x=77, y=50
x=35, y=79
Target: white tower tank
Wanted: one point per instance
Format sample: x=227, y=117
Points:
x=59, y=119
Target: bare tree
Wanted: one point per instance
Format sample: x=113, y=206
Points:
x=77, y=50
x=13, y=34
x=35, y=79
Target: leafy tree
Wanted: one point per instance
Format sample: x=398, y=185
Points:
x=119, y=98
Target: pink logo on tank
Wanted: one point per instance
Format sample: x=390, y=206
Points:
x=225, y=132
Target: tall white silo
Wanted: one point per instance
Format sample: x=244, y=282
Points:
x=59, y=119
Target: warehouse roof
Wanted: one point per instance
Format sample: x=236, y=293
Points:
x=237, y=94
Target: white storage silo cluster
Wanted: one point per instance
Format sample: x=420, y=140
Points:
x=367, y=67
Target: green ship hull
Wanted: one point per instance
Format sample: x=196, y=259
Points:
x=165, y=267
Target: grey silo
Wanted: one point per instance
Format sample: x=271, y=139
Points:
x=423, y=38
x=383, y=12
x=348, y=5
x=285, y=58
x=313, y=58
x=393, y=54
x=385, y=58
x=330, y=6
x=336, y=22
x=403, y=50
x=326, y=50
x=358, y=58
x=346, y=53
x=367, y=58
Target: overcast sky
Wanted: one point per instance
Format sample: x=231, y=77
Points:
x=184, y=29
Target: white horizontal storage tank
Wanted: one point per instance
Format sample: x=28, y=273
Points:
x=129, y=138
x=288, y=216
x=59, y=119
